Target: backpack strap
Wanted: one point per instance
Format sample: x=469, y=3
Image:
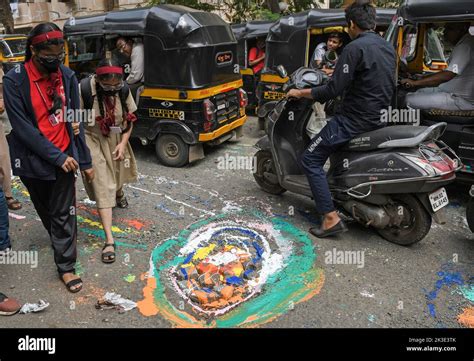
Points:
x=86, y=93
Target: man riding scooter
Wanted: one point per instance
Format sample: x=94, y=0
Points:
x=365, y=77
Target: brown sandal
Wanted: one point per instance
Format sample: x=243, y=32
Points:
x=13, y=204
x=122, y=201
x=73, y=283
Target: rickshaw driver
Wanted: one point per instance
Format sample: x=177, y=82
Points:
x=450, y=89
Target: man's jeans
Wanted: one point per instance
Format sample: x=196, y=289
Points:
x=4, y=237
x=332, y=137
x=434, y=98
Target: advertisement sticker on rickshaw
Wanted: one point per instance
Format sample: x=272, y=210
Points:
x=166, y=113
x=224, y=58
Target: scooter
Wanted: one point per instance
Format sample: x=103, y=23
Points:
x=391, y=179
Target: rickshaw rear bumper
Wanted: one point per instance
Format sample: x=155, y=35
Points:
x=223, y=131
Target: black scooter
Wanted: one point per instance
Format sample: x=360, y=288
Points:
x=390, y=179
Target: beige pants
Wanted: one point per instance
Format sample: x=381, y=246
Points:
x=5, y=163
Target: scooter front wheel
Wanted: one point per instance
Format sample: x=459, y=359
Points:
x=265, y=170
x=470, y=214
x=415, y=225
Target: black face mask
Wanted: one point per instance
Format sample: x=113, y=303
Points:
x=50, y=66
x=110, y=93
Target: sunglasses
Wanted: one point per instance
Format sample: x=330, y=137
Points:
x=111, y=87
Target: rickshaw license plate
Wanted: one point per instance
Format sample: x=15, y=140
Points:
x=439, y=199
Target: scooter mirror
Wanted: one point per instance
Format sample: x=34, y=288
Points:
x=281, y=71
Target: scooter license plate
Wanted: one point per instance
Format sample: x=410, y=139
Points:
x=439, y=199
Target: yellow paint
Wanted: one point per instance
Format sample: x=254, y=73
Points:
x=173, y=94
x=246, y=71
x=92, y=223
x=272, y=78
x=202, y=253
x=204, y=137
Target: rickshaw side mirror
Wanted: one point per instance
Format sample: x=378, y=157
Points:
x=281, y=71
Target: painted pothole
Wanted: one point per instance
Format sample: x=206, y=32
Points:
x=231, y=270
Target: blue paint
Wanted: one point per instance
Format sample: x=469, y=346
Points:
x=446, y=278
x=258, y=249
x=234, y=280
x=185, y=274
x=432, y=309
x=189, y=258
x=162, y=207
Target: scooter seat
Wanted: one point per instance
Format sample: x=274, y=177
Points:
x=394, y=136
x=464, y=117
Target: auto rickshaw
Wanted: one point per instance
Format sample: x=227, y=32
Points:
x=414, y=34
x=292, y=40
x=192, y=84
x=247, y=35
x=12, y=50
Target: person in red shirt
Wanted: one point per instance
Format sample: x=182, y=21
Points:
x=257, y=56
x=45, y=152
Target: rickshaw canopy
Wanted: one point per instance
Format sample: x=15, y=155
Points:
x=184, y=48
x=437, y=10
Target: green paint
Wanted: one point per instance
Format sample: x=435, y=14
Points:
x=79, y=268
x=129, y=245
x=129, y=278
x=468, y=292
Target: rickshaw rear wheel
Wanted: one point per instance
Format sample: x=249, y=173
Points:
x=171, y=150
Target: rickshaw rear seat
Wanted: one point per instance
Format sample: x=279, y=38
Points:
x=464, y=117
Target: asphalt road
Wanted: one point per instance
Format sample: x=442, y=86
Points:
x=429, y=284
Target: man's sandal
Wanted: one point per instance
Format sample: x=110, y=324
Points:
x=72, y=283
x=108, y=257
x=13, y=204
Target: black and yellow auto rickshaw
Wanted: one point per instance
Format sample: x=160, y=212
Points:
x=415, y=35
x=192, y=84
x=292, y=40
x=12, y=50
x=247, y=35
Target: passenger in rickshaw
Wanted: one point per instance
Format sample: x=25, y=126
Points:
x=320, y=60
x=257, y=56
x=451, y=89
x=135, y=52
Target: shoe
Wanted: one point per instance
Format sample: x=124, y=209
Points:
x=340, y=227
x=5, y=252
x=8, y=306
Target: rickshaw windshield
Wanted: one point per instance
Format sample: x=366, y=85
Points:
x=434, y=47
x=85, y=48
x=13, y=47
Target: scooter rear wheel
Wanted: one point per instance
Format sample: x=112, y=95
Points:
x=265, y=164
x=415, y=225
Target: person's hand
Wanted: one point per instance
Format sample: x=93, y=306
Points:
x=119, y=152
x=70, y=165
x=89, y=174
x=408, y=83
x=294, y=93
x=75, y=128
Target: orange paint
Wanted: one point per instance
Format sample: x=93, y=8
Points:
x=147, y=306
x=467, y=317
